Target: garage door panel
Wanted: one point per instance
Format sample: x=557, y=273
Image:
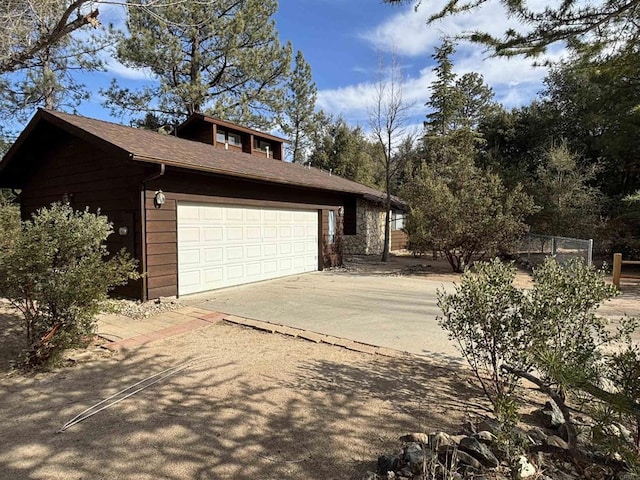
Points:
x=270, y=250
x=253, y=233
x=212, y=234
x=212, y=214
x=234, y=253
x=213, y=254
x=190, y=212
x=189, y=257
x=221, y=246
x=190, y=235
x=213, y=275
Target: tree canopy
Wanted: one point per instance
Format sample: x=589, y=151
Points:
x=223, y=57
x=588, y=27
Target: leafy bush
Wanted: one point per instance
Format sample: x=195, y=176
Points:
x=56, y=273
x=550, y=336
x=484, y=317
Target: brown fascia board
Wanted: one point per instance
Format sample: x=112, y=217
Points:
x=233, y=126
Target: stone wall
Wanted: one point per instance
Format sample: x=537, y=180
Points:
x=369, y=239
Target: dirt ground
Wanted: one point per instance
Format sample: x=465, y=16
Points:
x=252, y=405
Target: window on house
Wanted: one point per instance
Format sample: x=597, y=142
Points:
x=261, y=145
x=397, y=220
x=234, y=139
x=224, y=136
x=331, y=234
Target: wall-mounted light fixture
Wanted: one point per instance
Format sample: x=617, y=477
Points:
x=66, y=198
x=122, y=231
x=340, y=210
x=159, y=198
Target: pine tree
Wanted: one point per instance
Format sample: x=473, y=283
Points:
x=218, y=56
x=299, y=120
x=40, y=54
x=442, y=103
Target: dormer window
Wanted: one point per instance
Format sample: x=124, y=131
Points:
x=262, y=145
x=224, y=136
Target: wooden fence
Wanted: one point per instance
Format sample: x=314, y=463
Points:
x=618, y=262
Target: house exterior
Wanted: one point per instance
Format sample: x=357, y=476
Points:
x=211, y=207
x=369, y=236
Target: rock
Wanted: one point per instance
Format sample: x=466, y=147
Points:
x=464, y=457
x=387, y=463
x=490, y=425
x=551, y=415
x=415, y=437
x=480, y=451
x=485, y=437
x=469, y=428
x=441, y=439
x=371, y=476
x=538, y=434
x=391, y=475
x=524, y=468
x=414, y=456
x=406, y=472
x=555, y=441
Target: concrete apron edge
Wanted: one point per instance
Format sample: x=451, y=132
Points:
x=314, y=337
x=192, y=321
x=201, y=318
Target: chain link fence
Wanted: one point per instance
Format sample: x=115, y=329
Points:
x=535, y=248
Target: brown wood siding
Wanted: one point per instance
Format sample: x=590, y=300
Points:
x=398, y=240
x=90, y=178
x=162, y=247
x=199, y=133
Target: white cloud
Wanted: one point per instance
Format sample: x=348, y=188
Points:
x=515, y=81
x=116, y=68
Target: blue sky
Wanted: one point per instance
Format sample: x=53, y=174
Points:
x=343, y=41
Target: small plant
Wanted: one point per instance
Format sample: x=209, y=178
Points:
x=55, y=271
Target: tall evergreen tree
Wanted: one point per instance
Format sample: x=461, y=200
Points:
x=345, y=151
x=40, y=52
x=219, y=56
x=299, y=120
x=441, y=102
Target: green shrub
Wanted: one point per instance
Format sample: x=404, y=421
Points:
x=551, y=336
x=56, y=273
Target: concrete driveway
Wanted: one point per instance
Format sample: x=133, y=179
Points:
x=397, y=312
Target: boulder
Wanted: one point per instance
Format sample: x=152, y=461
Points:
x=441, y=439
x=555, y=441
x=523, y=468
x=479, y=451
x=415, y=437
x=387, y=463
x=414, y=456
x=485, y=437
x=551, y=416
x=464, y=457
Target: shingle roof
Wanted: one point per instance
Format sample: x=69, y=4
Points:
x=147, y=146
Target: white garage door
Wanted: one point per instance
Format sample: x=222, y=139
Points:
x=222, y=246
